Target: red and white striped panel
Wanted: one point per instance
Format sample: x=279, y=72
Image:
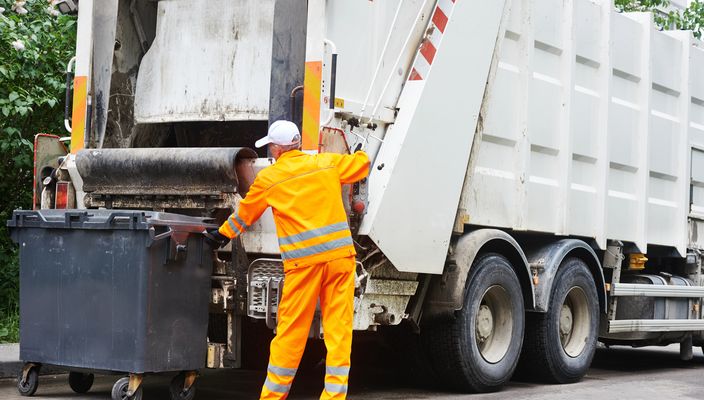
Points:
x=431, y=43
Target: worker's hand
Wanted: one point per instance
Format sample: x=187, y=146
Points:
x=215, y=238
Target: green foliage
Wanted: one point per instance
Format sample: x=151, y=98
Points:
x=691, y=18
x=34, y=50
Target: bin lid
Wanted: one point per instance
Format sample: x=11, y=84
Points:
x=107, y=219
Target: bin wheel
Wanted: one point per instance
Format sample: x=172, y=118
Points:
x=119, y=390
x=27, y=387
x=80, y=382
x=176, y=388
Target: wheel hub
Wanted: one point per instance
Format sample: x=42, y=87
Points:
x=485, y=323
x=574, y=322
x=565, y=322
x=493, y=324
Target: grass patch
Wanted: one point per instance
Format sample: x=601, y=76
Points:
x=10, y=325
x=9, y=293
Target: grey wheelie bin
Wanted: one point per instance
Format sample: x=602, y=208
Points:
x=112, y=291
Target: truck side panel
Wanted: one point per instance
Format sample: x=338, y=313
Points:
x=422, y=163
x=585, y=132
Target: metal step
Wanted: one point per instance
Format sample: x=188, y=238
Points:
x=655, y=325
x=646, y=290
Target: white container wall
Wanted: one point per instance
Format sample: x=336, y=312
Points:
x=696, y=139
x=585, y=130
x=210, y=61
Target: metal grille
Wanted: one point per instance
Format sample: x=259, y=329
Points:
x=266, y=279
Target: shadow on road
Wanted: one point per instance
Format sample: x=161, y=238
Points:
x=626, y=359
x=380, y=372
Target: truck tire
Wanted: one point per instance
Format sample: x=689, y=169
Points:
x=478, y=350
x=559, y=345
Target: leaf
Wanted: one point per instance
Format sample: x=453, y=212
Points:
x=13, y=96
x=20, y=160
x=6, y=111
x=4, y=332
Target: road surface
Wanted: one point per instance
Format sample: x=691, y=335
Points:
x=618, y=373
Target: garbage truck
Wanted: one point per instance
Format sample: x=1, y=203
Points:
x=537, y=178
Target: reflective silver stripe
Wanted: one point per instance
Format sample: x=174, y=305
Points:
x=340, y=226
x=318, y=248
x=233, y=226
x=275, y=387
x=280, y=371
x=239, y=221
x=337, y=370
x=335, y=388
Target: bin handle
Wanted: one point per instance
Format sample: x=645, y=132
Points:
x=153, y=237
x=133, y=217
x=75, y=216
x=175, y=248
x=21, y=216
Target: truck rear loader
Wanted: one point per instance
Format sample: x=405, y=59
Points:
x=537, y=182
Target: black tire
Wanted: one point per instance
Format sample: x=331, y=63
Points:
x=544, y=357
x=119, y=390
x=453, y=345
x=176, y=388
x=28, y=387
x=80, y=382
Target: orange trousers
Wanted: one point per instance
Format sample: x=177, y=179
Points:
x=332, y=283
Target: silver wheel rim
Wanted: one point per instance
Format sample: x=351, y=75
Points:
x=574, y=322
x=494, y=324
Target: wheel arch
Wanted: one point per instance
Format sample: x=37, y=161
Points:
x=547, y=260
x=446, y=292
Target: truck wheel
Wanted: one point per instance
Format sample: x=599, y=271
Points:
x=29, y=386
x=80, y=382
x=119, y=390
x=478, y=350
x=559, y=345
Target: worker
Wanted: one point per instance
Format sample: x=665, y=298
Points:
x=305, y=194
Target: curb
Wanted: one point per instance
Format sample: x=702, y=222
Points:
x=9, y=360
x=10, y=364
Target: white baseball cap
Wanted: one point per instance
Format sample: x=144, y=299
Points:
x=281, y=132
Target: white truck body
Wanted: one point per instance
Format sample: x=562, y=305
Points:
x=606, y=111
x=559, y=142
x=590, y=123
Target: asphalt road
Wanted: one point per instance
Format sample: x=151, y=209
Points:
x=616, y=373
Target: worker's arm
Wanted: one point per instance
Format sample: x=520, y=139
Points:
x=352, y=167
x=251, y=208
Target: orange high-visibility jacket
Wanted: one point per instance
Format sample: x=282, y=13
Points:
x=305, y=194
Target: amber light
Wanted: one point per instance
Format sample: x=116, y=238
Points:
x=61, y=195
